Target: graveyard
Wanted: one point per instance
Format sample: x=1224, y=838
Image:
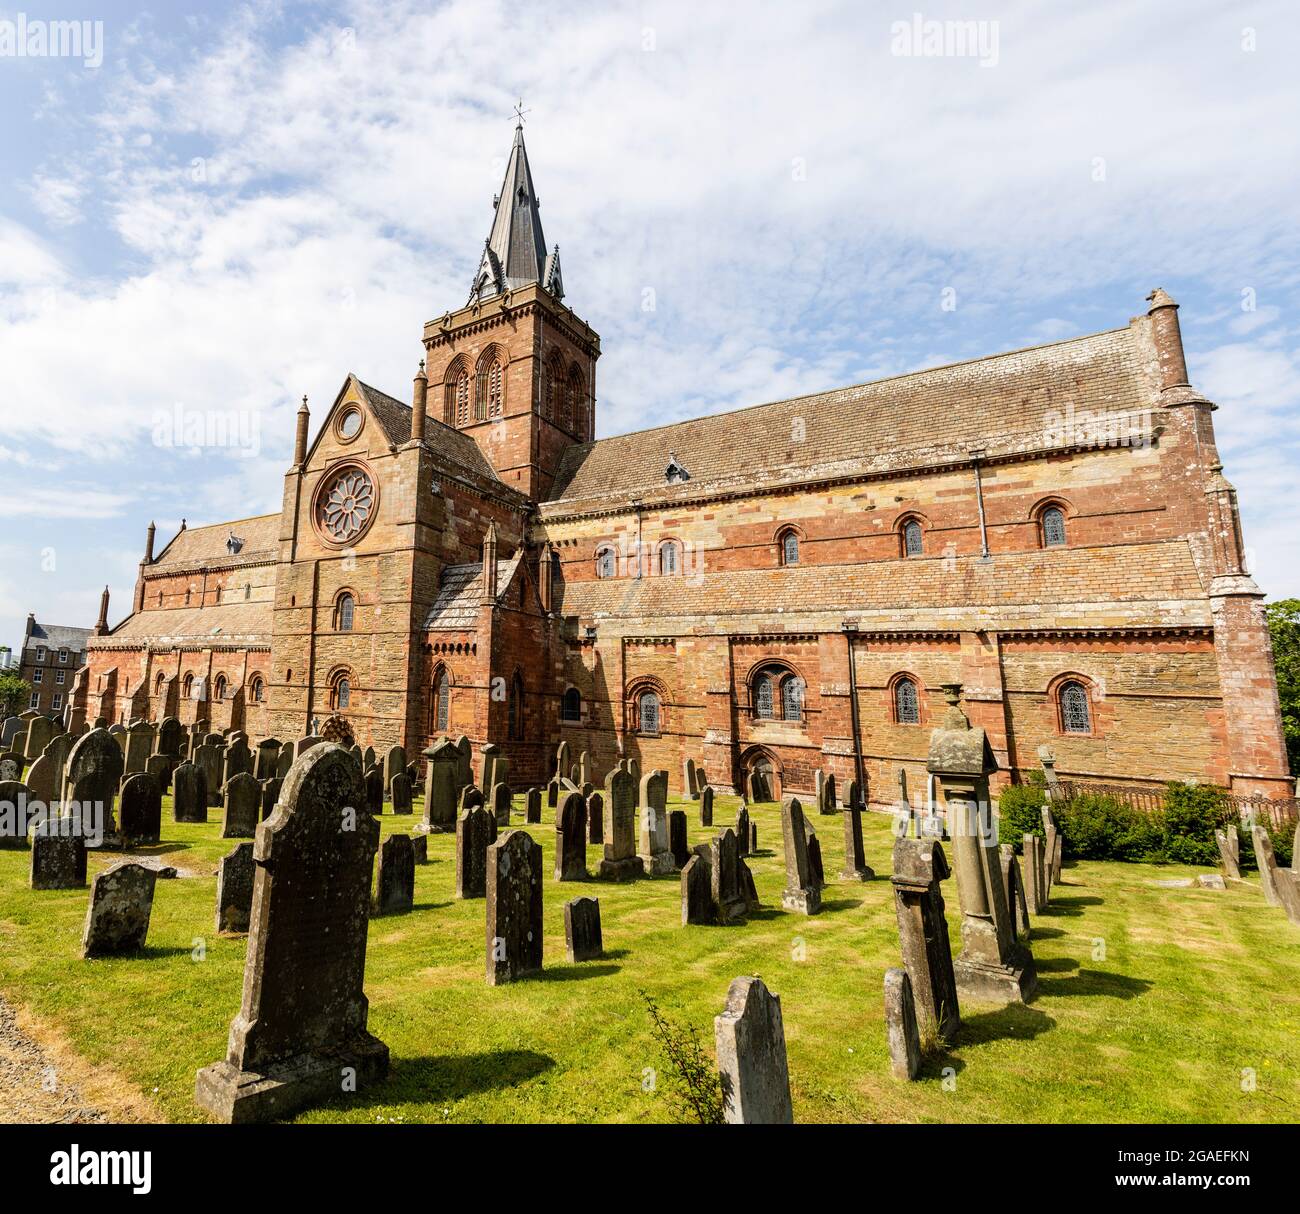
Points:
x=1152, y=1001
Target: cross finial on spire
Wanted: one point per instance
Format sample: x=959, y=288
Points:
x=520, y=112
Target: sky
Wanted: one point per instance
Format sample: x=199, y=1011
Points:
x=208, y=212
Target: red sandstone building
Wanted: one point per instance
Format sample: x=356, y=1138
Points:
x=780, y=588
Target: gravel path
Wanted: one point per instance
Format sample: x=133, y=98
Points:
x=27, y=1073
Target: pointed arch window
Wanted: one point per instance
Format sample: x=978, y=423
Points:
x=488, y=400
x=1053, y=525
x=913, y=539
x=441, y=700
x=907, y=703
x=455, y=401
x=575, y=399
x=1076, y=713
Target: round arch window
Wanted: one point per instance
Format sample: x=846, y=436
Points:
x=345, y=504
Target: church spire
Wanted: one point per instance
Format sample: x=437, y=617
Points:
x=515, y=252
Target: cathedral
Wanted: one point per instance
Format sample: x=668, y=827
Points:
x=771, y=591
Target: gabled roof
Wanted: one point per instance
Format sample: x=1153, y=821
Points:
x=515, y=252
x=58, y=636
x=457, y=606
x=245, y=623
x=1002, y=403
x=197, y=546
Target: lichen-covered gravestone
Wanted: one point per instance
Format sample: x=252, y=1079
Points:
x=750, y=1039
x=571, y=839
x=94, y=772
x=582, y=939
x=395, y=882
x=514, y=908
x=243, y=807
x=300, y=1035
x=189, y=794
x=656, y=857
x=919, y=867
x=620, y=862
x=441, y=787
x=121, y=902
x=235, y=889
x=58, y=855
x=140, y=809
x=802, y=891
x=476, y=831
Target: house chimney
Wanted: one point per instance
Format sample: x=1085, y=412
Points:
x=300, y=439
x=419, y=403
x=489, y=595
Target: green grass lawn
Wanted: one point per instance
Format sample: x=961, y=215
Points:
x=1152, y=1002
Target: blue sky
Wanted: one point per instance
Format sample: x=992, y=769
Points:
x=245, y=202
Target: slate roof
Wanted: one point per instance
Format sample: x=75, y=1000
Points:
x=207, y=545
x=457, y=605
x=1151, y=585
x=926, y=418
x=246, y=623
x=57, y=636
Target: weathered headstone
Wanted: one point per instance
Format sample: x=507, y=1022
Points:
x=855, y=860
x=300, y=1035
x=209, y=758
x=471, y=797
x=1017, y=903
x=121, y=902
x=750, y=1039
x=582, y=929
x=189, y=794
x=1229, y=844
x=688, y=779
x=420, y=848
x=533, y=806
x=39, y=732
x=395, y=882
x=373, y=784
x=500, y=804
x=161, y=768
x=441, y=787
x=476, y=831
x=394, y=765
x=243, y=807
x=1266, y=862
x=901, y=1027
x=697, y=901
x=44, y=781
x=561, y=760
x=731, y=885
x=571, y=839
x=678, y=842
x=620, y=861
x=235, y=889
x=514, y=908
x=304, y=744
x=139, y=746
x=170, y=739
x=399, y=792
x=285, y=761
x=743, y=834
x=266, y=761
x=58, y=855
x=595, y=818
x=802, y=891
x=270, y=795
x=1035, y=882
x=94, y=773
x=140, y=809
x=653, y=850
x=706, y=805
x=919, y=867
x=492, y=757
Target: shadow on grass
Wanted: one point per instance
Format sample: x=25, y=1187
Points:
x=1055, y=965
x=573, y=972
x=839, y=904
x=450, y=1077
x=1045, y=933
x=1017, y=1020
x=1071, y=906
x=1093, y=982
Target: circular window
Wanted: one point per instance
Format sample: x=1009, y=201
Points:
x=350, y=423
x=345, y=504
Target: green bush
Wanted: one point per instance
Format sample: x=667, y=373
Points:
x=1020, y=810
x=1192, y=813
x=1098, y=827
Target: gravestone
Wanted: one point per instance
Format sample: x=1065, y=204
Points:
x=301, y=1030
x=706, y=805
x=1267, y=864
x=1051, y=850
x=44, y=780
x=571, y=839
x=399, y=792
x=441, y=788
x=420, y=848
x=243, y=807
x=501, y=804
x=827, y=803
x=742, y=829
x=1228, y=841
x=1017, y=904
x=561, y=759
x=15, y=800
x=476, y=831
x=993, y=965
x=11, y=768
x=1035, y=893
x=58, y=855
x=189, y=794
x=140, y=809
x=266, y=763
x=595, y=818
x=620, y=862
x=170, y=739
x=492, y=758
x=514, y=908
x=139, y=746
x=121, y=902
x=855, y=860
x=731, y=885
x=815, y=869
x=582, y=929
x=304, y=744
x=39, y=732
x=285, y=761
x=57, y=753
x=688, y=779
x=373, y=784
x=465, y=776
x=584, y=769
x=9, y=731
x=656, y=857
x=697, y=901
x=553, y=790
x=94, y=773
x=901, y=1028
x=678, y=843
x=270, y=795
x=235, y=889
x=750, y=1039
x=471, y=797
x=394, y=765
x=368, y=758
x=209, y=758
x=395, y=882
x=533, y=806
x=802, y=891
x=919, y=867
x=160, y=767
x=237, y=761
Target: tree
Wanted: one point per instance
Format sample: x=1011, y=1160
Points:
x=1284, y=626
x=16, y=694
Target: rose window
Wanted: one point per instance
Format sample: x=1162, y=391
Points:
x=346, y=505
